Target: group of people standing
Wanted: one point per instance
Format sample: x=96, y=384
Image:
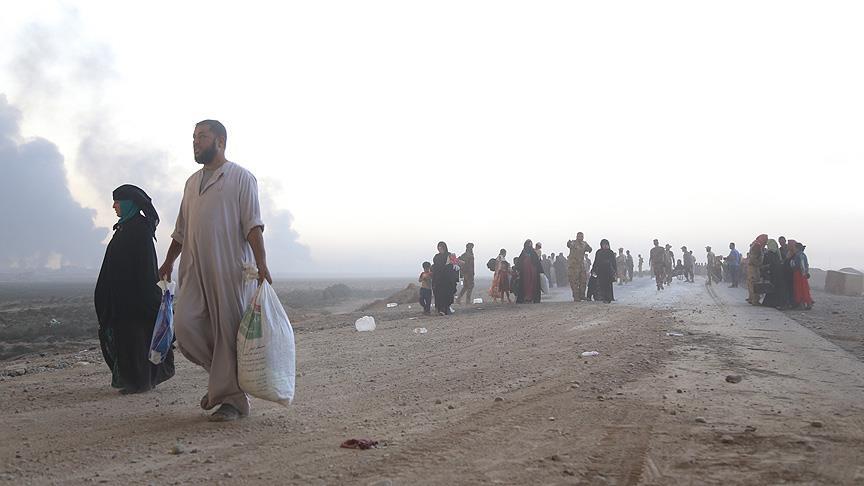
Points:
x=776, y=272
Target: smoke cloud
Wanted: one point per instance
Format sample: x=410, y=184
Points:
x=43, y=226
x=58, y=69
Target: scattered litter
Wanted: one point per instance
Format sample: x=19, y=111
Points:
x=816, y=424
x=82, y=363
x=359, y=444
x=587, y=354
x=53, y=323
x=420, y=330
x=733, y=378
x=700, y=420
x=365, y=323
x=478, y=301
x=409, y=306
x=674, y=334
x=411, y=318
x=392, y=305
x=177, y=449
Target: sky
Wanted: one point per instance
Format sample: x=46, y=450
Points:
x=376, y=129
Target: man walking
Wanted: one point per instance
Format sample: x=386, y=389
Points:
x=733, y=263
x=219, y=233
x=576, y=266
x=641, y=262
x=629, y=266
x=467, y=267
x=710, y=261
x=657, y=260
x=688, y=264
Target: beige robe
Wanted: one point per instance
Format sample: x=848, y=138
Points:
x=212, y=227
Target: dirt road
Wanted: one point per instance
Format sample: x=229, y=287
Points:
x=493, y=395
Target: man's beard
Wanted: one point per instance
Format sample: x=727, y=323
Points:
x=207, y=155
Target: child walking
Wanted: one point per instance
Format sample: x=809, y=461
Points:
x=426, y=288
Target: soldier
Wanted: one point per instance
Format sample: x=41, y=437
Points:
x=629, y=266
x=657, y=260
x=621, y=265
x=688, y=264
x=467, y=267
x=668, y=263
x=576, y=266
x=709, y=266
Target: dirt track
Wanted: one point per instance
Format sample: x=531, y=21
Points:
x=498, y=395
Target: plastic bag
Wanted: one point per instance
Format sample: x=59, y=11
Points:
x=163, y=330
x=265, y=349
x=544, y=283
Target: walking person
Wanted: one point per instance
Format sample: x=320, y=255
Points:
x=561, y=270
x=621, y=266
x=688, y=264
x=772, y=265
x=530, y=273
x=467, y=267
x=733, y=262
x=709, y=264
x=641, y=262
x=444, y=280
x=576, y=271
x=218, y=234
x=425, y=280
x=501, y=278
x=754, y=267
x=657, y=260
x=800, y=276
x=629, y=266
x=605, y=268
x=126, y=297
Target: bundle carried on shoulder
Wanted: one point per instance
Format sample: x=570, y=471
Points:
x=492, y=264
x=265, y=349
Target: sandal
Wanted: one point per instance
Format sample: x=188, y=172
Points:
x=225, y=413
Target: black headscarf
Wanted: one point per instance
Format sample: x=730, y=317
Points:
x=128, y=192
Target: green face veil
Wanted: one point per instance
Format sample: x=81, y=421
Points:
x=134, y=201
x=128, y=210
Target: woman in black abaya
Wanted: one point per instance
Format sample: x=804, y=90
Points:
x=444, y=279
x=605, y=269
x=127, y=298
x=530, y=268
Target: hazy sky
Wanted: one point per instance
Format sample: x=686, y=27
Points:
x=378, y=128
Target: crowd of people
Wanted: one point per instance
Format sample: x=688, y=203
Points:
x=776, y=274
x=219, y=232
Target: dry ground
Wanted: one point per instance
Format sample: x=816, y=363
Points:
x=497, y=394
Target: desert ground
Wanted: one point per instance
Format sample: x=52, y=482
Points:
x=495, y=394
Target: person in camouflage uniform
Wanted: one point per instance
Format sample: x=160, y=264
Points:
x=576, y=266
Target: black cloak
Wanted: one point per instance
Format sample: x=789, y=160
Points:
x=444, y=281
x=127, y=300
x=605, y=268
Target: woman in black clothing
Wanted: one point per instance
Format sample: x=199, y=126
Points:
x=530, y=268
x=127, y=298
x=444, y=279
x=605, y=269
x=773, y=266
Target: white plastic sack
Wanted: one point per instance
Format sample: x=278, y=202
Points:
x=365, y=323
x=544, y=283
x=265, y=349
